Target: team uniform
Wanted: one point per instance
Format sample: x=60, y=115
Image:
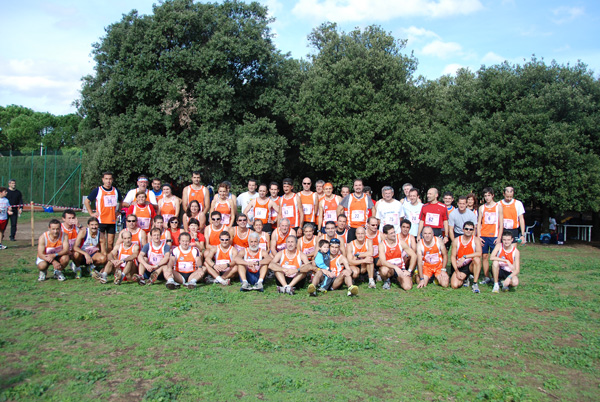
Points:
x=432, y=258
x=489, y=227
x=226, y=213
x=239, y=242
x=144, y=215
x=394, y=255
x=106, y=205
x=196, y=195
x=509, y=256
x=213, y=235
x=253, y=272
x=289, y=210
x=465, y=249
x=185, y=261
x=376, y=240
x=155, y=255
x=224, y=257
x=125, y=252
x=330, y=210
x=167, y=209
x=51, y=247
x=511, y=212
x=308, y=207
x=71, y=234
x=280, y=243
x=308, y=248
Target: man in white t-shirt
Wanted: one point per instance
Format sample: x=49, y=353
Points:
x=244, y=199
x=142, y=186
x=389, y=209
x=412, y=210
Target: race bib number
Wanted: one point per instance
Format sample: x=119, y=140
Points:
x=144, y=223
x=330, y=215
x=185, y=266
x=432, y=258
x=110, y=200
x=414, y=217
x=392, y=219
x=225, y=219
x=71, y=243
x=260, y=213
x=154, y=258
x=307, y=208
x=432, y=219
x=375, y=251
x=53, y=250
x=399, y=262
x=280, y=247
x=490, y=218
x=91, y=250
x=358, y=215
x=238, y=248
x=262, y=246
x=287, y=211
x=509, y=224
x=273, y=214
x=166, y=217
x=221, y=262
x=308, y=251
x=467, y=261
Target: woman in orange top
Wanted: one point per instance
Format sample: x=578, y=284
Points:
x=169, y=204
x=174, y=230
x=225, y=205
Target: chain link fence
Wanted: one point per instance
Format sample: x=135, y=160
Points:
x=51, y=177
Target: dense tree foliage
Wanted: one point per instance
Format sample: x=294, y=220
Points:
x=192, y=86
x=23, y=129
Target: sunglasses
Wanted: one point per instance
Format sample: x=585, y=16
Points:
x=306, y=183
x=131, y=221
x=242, y=220
x=215, y=219
x=468, y=229
x=223, y=239
x=175, y=222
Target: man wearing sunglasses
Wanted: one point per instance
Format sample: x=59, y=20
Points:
x=138, y=236
x=239, y=233
x=466, y=257
x=220, y=260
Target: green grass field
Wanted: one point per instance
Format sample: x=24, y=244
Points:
x=79, y=340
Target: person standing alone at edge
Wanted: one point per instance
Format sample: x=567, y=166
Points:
x=15, y=197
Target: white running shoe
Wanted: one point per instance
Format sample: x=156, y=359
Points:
x=42, y=276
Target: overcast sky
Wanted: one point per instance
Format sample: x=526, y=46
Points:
x=45, y=46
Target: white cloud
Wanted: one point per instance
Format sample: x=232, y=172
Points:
x=414, y=34
x=44, y=85
x=382, y=10
x=451, y=69
x=492, y=58
x=566, y=14
x=443, y=50
x=534, y=32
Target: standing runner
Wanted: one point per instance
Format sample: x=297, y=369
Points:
x=107, y=200
x=358, y=204
x=489, y=226
x=261, y=208
x=309, y=201
x=513, y=212
x=328, y=206
x=195, y=191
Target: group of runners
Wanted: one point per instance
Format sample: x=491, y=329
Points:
x=309, y=238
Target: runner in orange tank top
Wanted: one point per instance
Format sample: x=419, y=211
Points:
x=52, y=250
x=309, y=201
x=123, y=259
x=513, y=212
x=70, y=228
x=391, y=259
x=220, y=260
x=152, y=259
x=359, y=254
x=138, y=235
x=506, y=263
x=226, y=206
x=261, y=208
x=328, y=206
x=185, y=265
x=143, y=211
x=280, y=235
x=489, y=226
x=252, y=264
x=290, y=266
x=358, y=205
x=466, y=258
x=432, y=258
x=169, y=205
x=307, y=244
x=195, y=191
x=291, y=208
x=239, y=234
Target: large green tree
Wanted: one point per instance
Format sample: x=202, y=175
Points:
x=192, y=86
x=354, y=105
x=533, y=126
